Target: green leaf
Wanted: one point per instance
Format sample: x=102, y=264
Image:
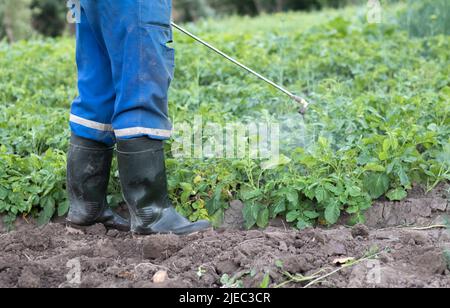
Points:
x=292, y=216
x=374, y=167
x=266, y=281
x=311, y=214
x=47, y=213
x=250, y=221
x=3, y=193
x=275, y=162
x=404, y=179
x=263, y=218
x=337, y=190
x=397, y=194
x=376, y=184
x=320, y=194
x=63, y=208
x=218, y=193
x=332, y=213
x=354, y=191
x=212, y=206
x=292, y=197
x=251, y=211
x=225, y=279
x=301, y=224
x=391, y=166
x=309, y=193
x=186, y=186
x=358, y=218
x=352, y=209
x=249, y=193
x=279, y=207
x=383, y=156
x=217, y=218
x=387, y=144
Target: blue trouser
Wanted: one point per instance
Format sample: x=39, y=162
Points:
x=124, y=70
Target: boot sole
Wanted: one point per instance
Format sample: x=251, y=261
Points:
x=85, y=226
x=144, y=233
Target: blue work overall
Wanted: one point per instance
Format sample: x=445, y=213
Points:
x=124, y=70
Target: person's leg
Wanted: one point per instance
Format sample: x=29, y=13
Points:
x=91, y=145
x=136, y=34
x=92, y=111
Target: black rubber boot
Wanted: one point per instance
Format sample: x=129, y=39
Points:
x=88, y=168
x=144, y=185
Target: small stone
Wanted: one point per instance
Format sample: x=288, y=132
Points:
x=160, y=277
x=283, y=246
x=112, y=233
x=72, y=231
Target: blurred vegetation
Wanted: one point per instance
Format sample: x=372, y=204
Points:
x=378, y=122
x=189, y=10
x=426, y=18
x=21, y=19
x=15, y=19
x=49, y=16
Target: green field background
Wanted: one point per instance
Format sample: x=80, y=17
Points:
x=378, y=123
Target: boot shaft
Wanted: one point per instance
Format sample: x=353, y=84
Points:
x=143, y=179
x=88, y=171
x=144, y=186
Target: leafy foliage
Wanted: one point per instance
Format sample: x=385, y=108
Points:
x=378, y=123
x=423, y=18
x=15, y=19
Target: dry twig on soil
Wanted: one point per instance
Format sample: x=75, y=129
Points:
x=316, y=277
x=428, y=227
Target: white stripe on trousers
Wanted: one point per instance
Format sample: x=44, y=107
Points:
x=133, y=131
x=91, y=124
x=124, y=132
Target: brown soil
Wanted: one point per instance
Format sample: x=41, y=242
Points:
x=404, y=256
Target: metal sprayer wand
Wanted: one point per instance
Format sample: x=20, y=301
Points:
x=301, y=101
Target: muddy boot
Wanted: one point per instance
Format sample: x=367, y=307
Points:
x=144, y=185
x=88, y=168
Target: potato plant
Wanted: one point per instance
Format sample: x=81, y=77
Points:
x=380, y=117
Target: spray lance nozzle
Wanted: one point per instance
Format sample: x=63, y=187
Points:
x=303, y=104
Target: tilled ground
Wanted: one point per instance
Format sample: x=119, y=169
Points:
x=402, y=256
